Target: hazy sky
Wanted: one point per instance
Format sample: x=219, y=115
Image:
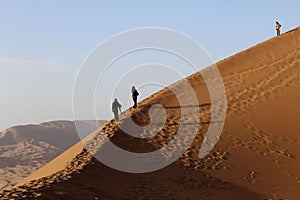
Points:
x=43, y=43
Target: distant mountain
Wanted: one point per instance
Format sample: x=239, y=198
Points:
x=24, y=149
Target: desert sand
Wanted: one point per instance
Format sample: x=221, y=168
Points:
x=257, y=156
x=24, y=149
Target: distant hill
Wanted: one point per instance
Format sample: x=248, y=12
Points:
x=24, y=149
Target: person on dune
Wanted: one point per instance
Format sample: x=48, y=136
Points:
x=116, y=107
x=278, y=26
x=135, y=95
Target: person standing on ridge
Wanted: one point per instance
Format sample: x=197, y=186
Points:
x=278, y=26
x=116, y=107
x=135, y=95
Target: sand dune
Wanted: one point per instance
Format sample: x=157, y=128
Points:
x=25, y=149
x=257, y=156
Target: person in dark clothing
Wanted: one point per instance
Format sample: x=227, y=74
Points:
x=278, y=26
x=135, y=95
x=116, y=107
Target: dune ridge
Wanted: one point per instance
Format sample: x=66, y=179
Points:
x=257, y=156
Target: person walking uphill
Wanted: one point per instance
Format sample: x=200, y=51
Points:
x=278, y=26
x=116, y=107
x=135, y=95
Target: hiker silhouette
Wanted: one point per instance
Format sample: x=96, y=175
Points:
x=135, y=95
x=116, y=107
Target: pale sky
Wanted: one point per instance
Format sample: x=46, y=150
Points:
x=43, y=43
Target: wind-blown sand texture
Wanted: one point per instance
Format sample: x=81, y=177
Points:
x=25, y=149
x=257, y=156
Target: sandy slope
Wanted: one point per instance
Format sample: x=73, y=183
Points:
x=25, y=149
x=257, y=156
